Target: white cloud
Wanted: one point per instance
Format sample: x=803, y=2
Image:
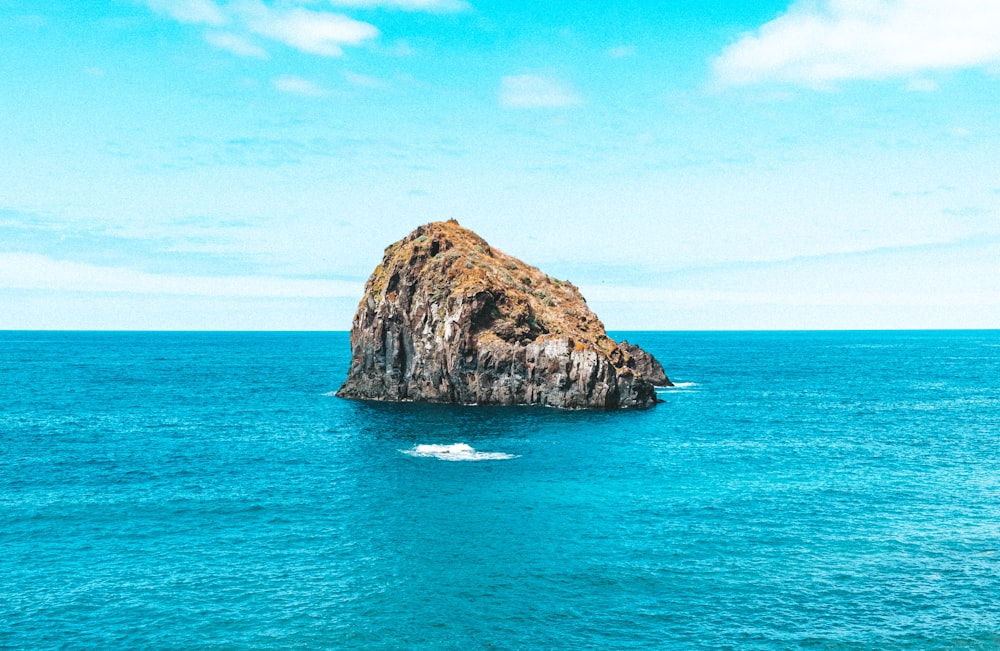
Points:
x=441, y=6
x=236, y=44
x=315, y=32
x=201, y=12
x=37, y=272
x=310, y=31
x=938, y=285
x=535, y=91
x=299, y=86
x=816, y=44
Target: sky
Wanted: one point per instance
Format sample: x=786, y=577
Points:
x=690, y=165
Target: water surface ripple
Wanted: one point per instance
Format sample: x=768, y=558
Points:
x=798, y=490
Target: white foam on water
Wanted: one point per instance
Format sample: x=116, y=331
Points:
x=678, y=385
x=455, y=452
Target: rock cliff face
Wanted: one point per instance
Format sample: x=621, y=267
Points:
x=447, y=318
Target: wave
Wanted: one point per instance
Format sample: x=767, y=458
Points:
x=455, y=452
x=678, y=385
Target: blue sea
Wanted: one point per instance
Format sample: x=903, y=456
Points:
x=795, y=490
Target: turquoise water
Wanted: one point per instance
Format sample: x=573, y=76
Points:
x=797, y=490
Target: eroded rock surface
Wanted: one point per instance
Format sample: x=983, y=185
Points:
x=447, y=318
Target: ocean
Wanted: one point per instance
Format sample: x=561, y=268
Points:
x=795, y=490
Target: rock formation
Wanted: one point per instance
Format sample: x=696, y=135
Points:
x=447, y=318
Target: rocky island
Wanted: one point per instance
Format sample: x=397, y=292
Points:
x=448, y=318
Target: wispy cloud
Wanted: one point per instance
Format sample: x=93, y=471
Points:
x=299, y=86
x=236, y=44
x=936, y=285
x=536, y=91
x=364, y=81
x=38, y=272
x=198, y=12
x=315, y=32
x=820, y=43
x=435, y=6
x=240, y=23
x=869, y=297
x=323, y=33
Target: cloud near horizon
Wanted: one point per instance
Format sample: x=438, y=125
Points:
x=819, y=43
x=30, y=271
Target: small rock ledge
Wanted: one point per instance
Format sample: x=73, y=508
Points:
x=447, y=318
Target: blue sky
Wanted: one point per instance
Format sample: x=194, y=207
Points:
x=214, y=164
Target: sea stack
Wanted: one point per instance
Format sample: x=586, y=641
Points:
x=448, y=318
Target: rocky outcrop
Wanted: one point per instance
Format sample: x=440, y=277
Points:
x=643, y=364
x=447, y=318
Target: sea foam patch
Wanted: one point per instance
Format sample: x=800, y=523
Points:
x=455, y=452
x=677, y=385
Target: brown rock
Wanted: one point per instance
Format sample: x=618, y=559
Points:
x=447, y=318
